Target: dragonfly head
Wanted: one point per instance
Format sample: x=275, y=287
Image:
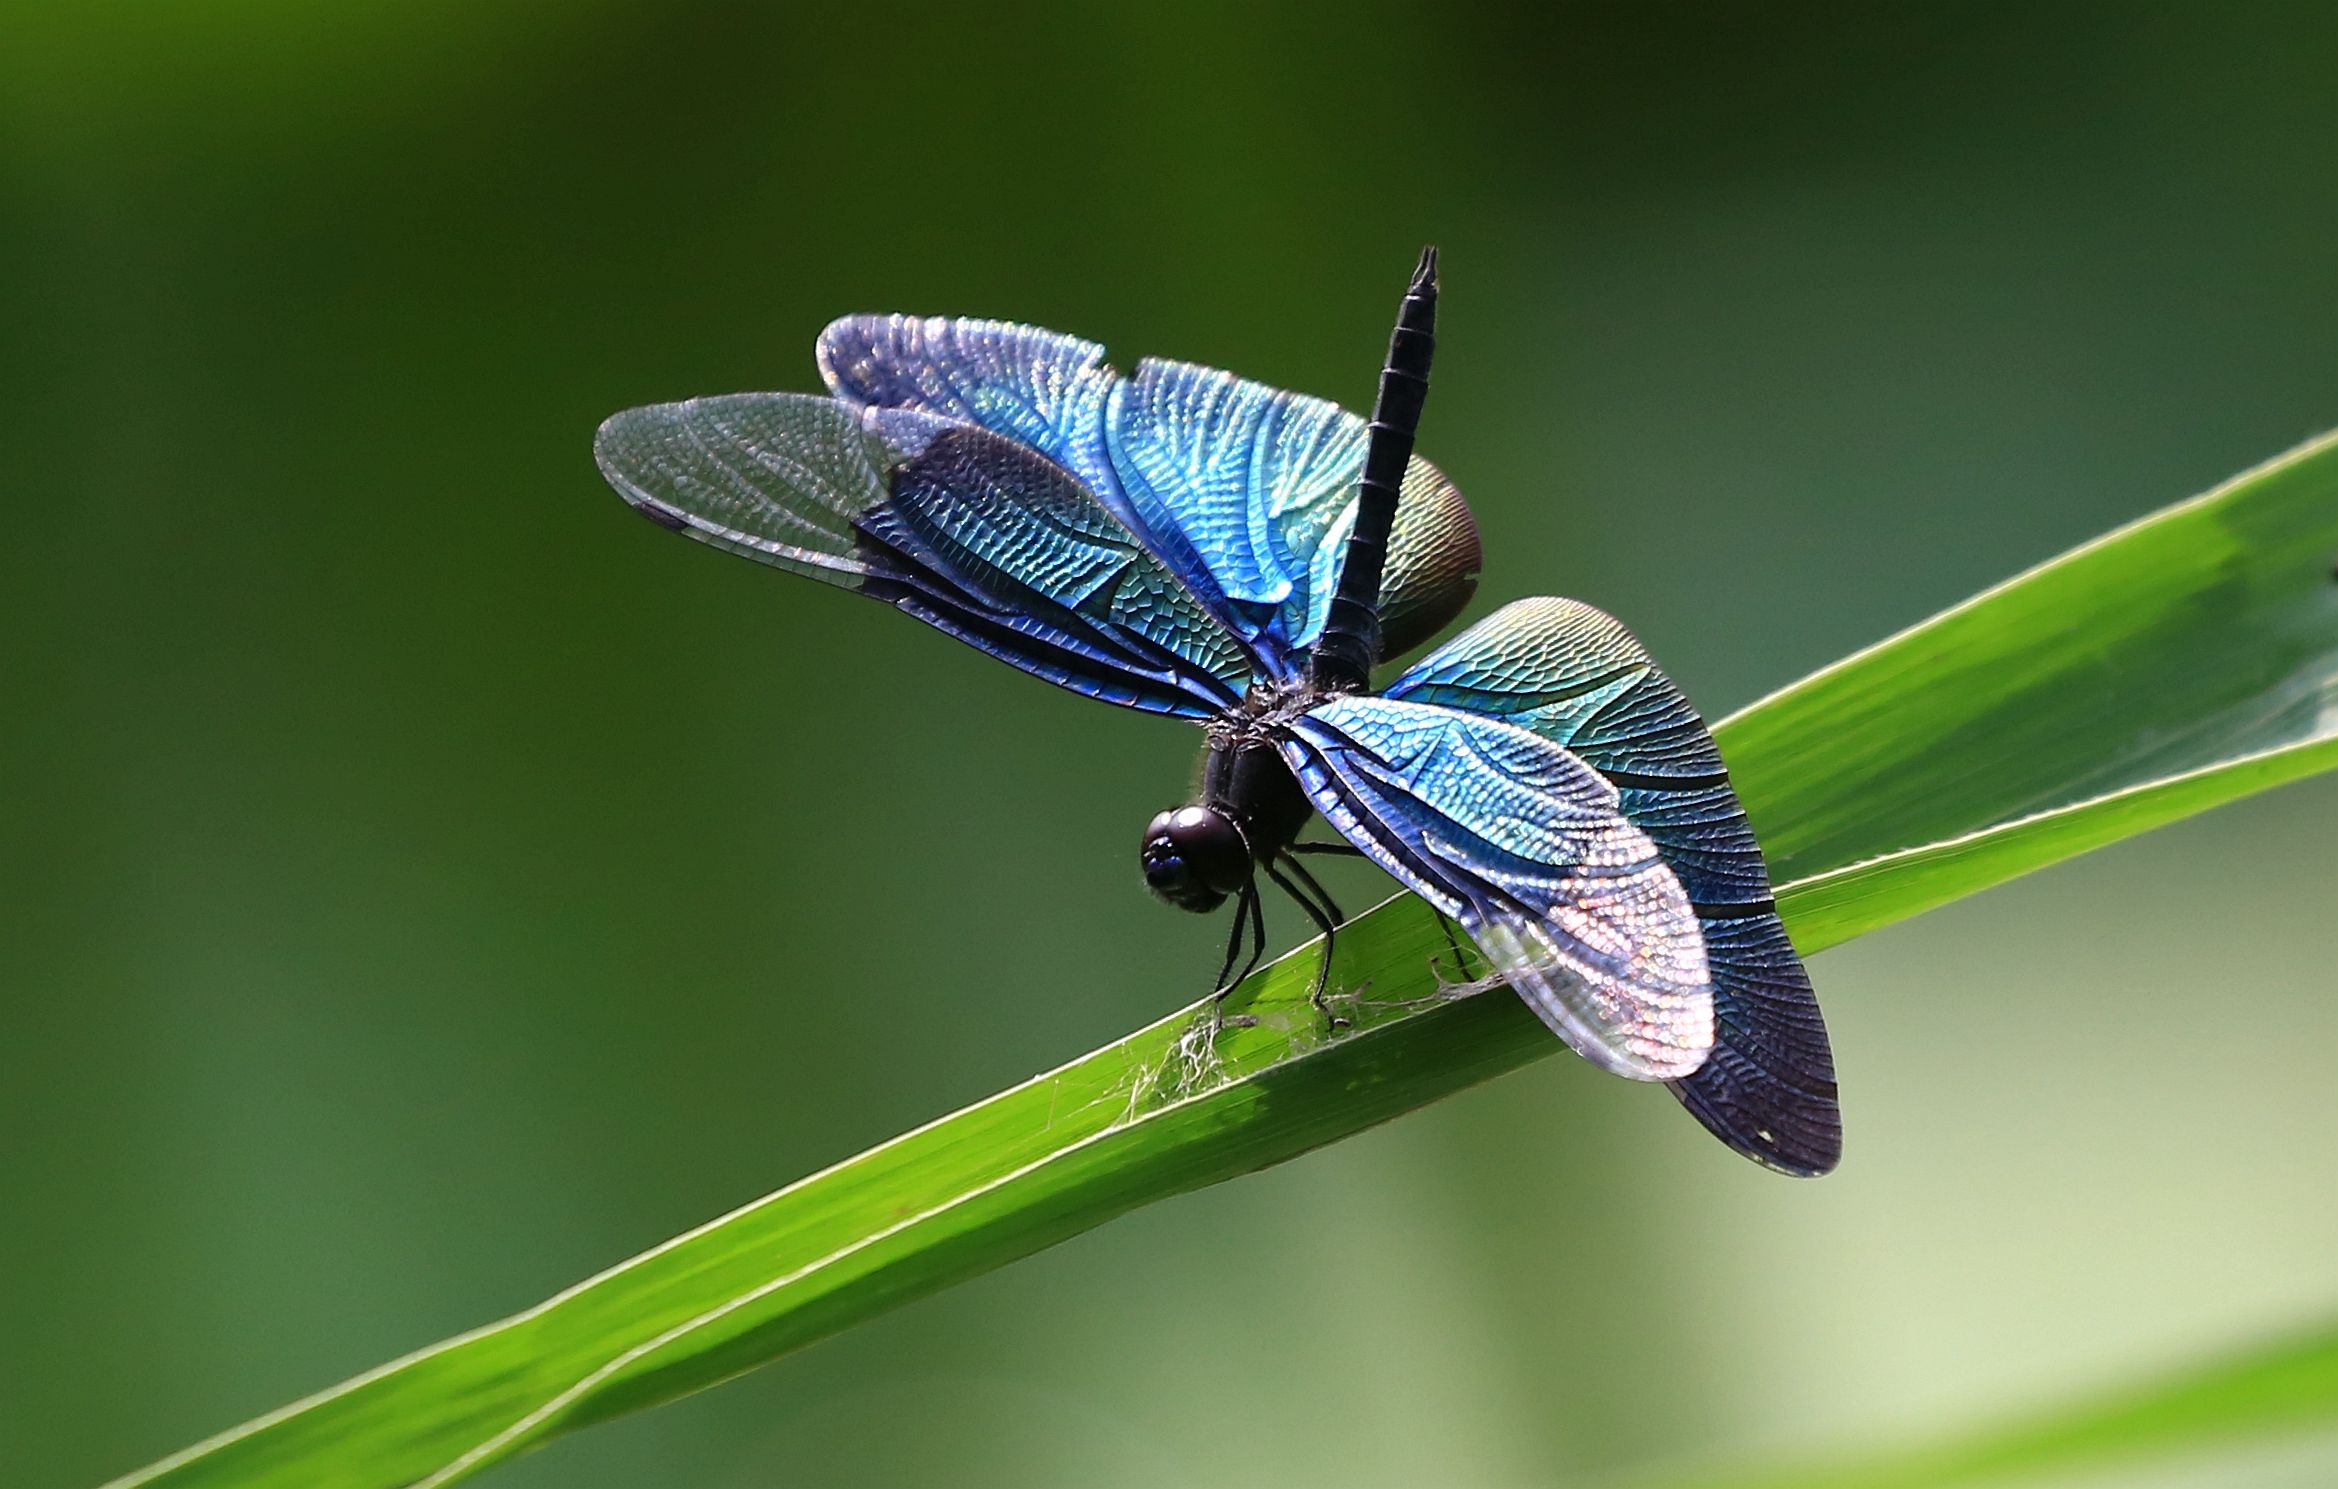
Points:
x=1194, y=857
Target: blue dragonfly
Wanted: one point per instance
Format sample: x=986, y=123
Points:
x=1187, y=542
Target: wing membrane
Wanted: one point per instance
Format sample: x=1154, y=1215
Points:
x=971, y=532
x=1242, y=490
x=1433, y=560
x=1524, y=845
x=1576, y=677
x=1036, y=387
x=1257, y=480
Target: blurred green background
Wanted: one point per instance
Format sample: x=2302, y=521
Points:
x=425, y=883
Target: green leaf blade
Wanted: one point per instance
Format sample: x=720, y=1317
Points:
x=2286, y=1387
x=2205, y=632
x=2180, y=662
x=1828, y=909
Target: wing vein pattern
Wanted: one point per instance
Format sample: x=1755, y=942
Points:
x=1526, y=846
x=1169, y=541
x=972, y=532
x=1574, y=676
x=1245, y=492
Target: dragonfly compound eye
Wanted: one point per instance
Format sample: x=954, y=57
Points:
x=1194, y=857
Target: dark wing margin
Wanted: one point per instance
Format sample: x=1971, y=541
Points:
x=973, y=533
x=1574, y=675
x=1524, y=845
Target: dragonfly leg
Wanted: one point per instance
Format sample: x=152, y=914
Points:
x=1327, y=917
x=1247, y=907
x=1350, y=850
x=1334, y=917
x=1257, y=906
x=1322, y=895
x=1452, y=942
x=1226, y=978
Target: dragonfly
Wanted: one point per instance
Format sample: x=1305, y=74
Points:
x=1191, y=543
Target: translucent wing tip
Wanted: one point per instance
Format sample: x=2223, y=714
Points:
x=776, y=477
x=644, y=450
x=611, y=449
x=619, y=446
x=1652, y=1022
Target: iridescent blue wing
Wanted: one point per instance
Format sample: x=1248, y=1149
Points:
x=1257, y=481
x=1576, y=677
x=1525, y=845
x=1035, y=387
x=1244, y=491
x=970, y=532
